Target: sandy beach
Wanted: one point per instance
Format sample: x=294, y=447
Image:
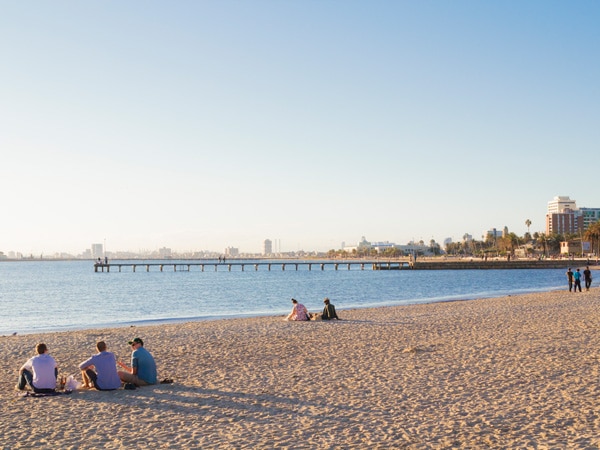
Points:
x=512, y=372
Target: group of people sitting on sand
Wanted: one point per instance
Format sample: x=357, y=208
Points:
x=299, y=312
x=40, y=372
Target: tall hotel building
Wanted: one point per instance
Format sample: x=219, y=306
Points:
x=561, y=205
x=564, y=217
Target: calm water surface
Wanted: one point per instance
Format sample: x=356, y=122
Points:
x=54, y=296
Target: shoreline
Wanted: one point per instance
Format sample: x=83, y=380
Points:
x=183, y=320
x=506, y=372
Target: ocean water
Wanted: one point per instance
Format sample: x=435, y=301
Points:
x=65, y=295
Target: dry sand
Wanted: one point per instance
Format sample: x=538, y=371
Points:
x=512, y=372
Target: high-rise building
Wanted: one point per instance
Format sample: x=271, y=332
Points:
x=267, y=247
x=97, y=251
x=564, y=217
x=561, y=204
x=232, y=252
x=590, y=216
x=563, y=223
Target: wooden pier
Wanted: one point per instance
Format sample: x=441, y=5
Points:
x=201, y=266
x=294, y=265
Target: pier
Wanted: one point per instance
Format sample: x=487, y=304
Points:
x=228, y=266
x=433, y=264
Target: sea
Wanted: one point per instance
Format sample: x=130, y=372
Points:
x=48, y=296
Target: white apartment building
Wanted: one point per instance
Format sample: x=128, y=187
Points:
x=561, y=204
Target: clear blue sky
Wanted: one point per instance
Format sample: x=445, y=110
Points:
x=207, y=124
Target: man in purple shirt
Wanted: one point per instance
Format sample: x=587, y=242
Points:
x=100, y=371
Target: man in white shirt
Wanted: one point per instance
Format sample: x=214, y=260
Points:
x=39, y=372
x=100, y=371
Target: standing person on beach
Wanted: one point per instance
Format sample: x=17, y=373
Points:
x=299, y=312
x=587, y=276
x=39, y=372
x=577, y=278
x=100, y=371
x=143, y=368
x=570, y=278
x=329, y=311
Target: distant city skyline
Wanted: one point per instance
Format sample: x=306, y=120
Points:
x=558, y=205
x=209, y=125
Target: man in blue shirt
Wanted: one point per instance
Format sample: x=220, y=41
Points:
x=143, y=368
x=577, y=278
x=100, y=371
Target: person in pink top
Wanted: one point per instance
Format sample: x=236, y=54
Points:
x=299, y=312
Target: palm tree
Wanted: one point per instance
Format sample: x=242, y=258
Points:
x=593, y=234
x=553, y=242
x=543, y=239
x=528, y=223
x=514, y=241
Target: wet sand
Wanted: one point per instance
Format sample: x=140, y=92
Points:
x=511, y=372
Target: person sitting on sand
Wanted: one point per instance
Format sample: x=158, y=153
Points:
x=299, y=312
x=39, y=372
x=329, y=311
x=143, y=368
x=100, y=370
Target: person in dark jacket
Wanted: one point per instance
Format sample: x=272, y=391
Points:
x=587, y=276
x=329, y=311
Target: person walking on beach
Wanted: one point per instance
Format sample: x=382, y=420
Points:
x=577, y=283
x=587, y=276
x=570, y=279
x=329, y=311
x=39, y=372
x=143, y=368
x=100, y=370
x=299, y=312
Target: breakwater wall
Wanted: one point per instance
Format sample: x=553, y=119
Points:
x=481, y=264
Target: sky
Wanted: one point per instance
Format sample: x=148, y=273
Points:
x=202, y=125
